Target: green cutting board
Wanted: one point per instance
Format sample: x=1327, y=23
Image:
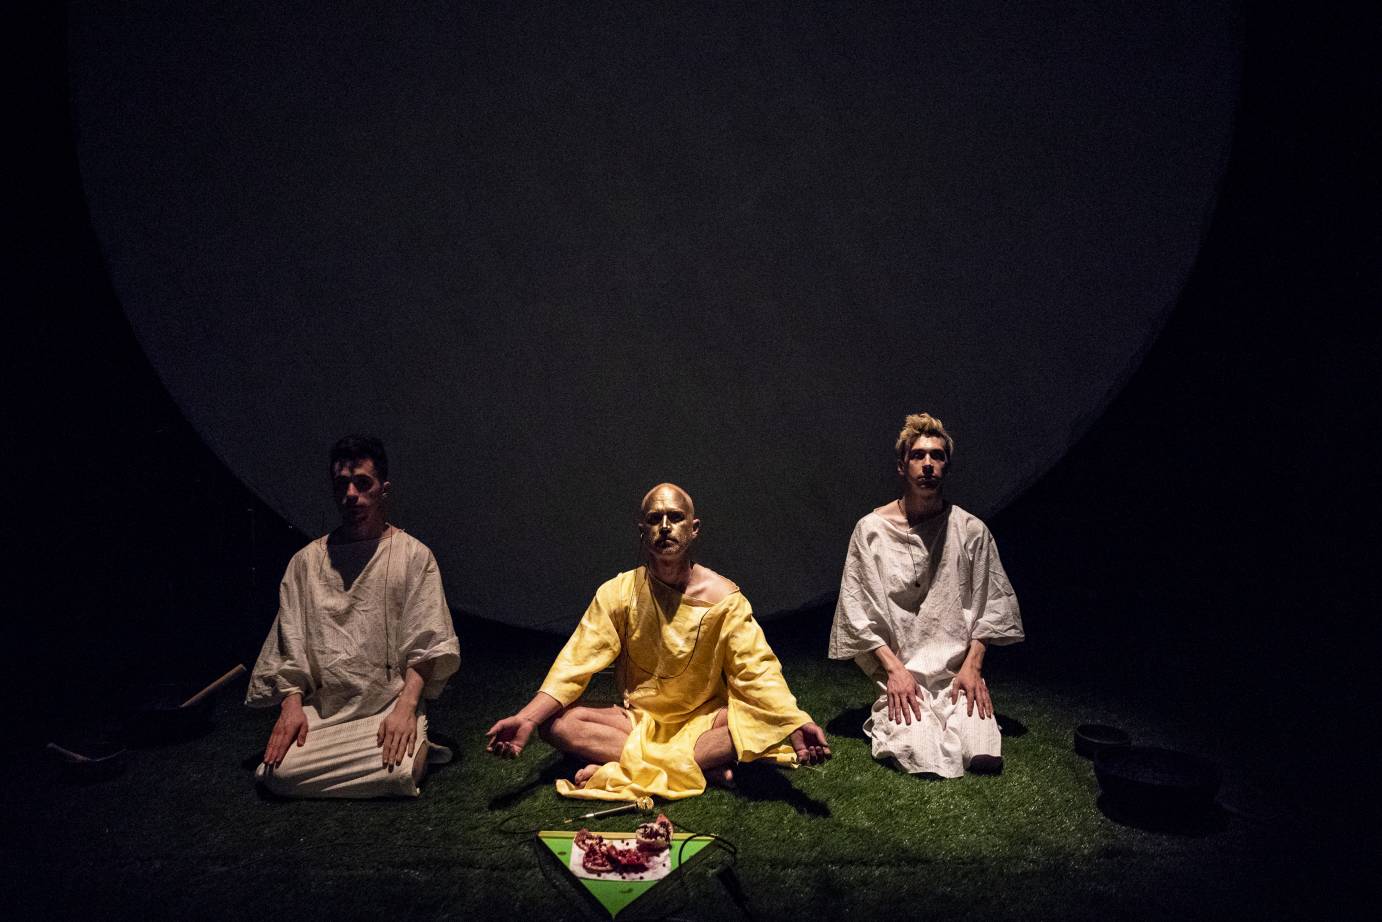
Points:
x=616, y=895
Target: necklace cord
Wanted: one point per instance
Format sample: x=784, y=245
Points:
x=933, y=554
x=389, y=651
x=916, y=570
x=633, y=611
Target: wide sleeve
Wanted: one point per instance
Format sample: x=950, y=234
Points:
x=593, y=646
x=998, y=620
x=762, y=710
x=861, y=624
x=428, y=635
x=283, y=667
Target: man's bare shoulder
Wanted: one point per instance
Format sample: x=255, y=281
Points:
x=709, y=586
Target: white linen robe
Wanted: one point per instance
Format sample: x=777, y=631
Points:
x=925, y=593
x=351, y=619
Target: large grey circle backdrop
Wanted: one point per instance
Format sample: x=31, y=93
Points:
x=555, y=253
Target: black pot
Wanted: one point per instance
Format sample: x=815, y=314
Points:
x=1092, y=739
x=1149, y=781
x=160, y=719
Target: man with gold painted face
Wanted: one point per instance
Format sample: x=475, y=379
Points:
x=701, y=690
x=922, y=598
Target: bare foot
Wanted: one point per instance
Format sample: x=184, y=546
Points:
x=584, y=774
x=721, y=777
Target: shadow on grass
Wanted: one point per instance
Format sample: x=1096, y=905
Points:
x=764, y=782
x=154, y=730
x=849, y=723
x=558, y=766
x=457, y=755
x=1010, y=726
x=1186, y=822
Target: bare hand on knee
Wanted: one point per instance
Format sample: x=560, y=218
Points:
x=397, y=735
x=976, y=692
x=291, y=726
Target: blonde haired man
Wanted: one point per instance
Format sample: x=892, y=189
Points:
x=922, y=598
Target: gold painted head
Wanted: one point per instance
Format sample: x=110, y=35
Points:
x=667, y=523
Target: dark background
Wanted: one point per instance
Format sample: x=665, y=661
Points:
x=554, y=252
x=1199, y=542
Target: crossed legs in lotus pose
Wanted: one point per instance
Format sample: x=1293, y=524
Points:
x=597, y=735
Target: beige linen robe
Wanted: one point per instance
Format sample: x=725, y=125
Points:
x=351, y=619
x=925, y=593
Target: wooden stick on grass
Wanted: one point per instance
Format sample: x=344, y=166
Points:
x=214, y=686
x=69, y=755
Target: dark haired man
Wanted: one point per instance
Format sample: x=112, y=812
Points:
x=922, y=598
x=701, y=689
x=362, y=636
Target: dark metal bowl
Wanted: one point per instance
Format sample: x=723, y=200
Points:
x=1091, y=739
x=159, y=719
x=1150, y=780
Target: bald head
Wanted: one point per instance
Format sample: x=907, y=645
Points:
x=667, y=523
x=664, y=492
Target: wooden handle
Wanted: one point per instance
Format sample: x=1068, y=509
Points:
x=69, y=754
x=215, y=686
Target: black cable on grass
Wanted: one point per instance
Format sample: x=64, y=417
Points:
x=726, y=875
x=501, y=827
x=681, y=850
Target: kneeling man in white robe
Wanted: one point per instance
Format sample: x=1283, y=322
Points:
x=362, y=637
x=922, y=597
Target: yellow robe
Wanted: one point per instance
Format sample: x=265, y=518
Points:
x=678, y=661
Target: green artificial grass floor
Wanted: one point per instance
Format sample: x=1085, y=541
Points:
x=184, y=834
